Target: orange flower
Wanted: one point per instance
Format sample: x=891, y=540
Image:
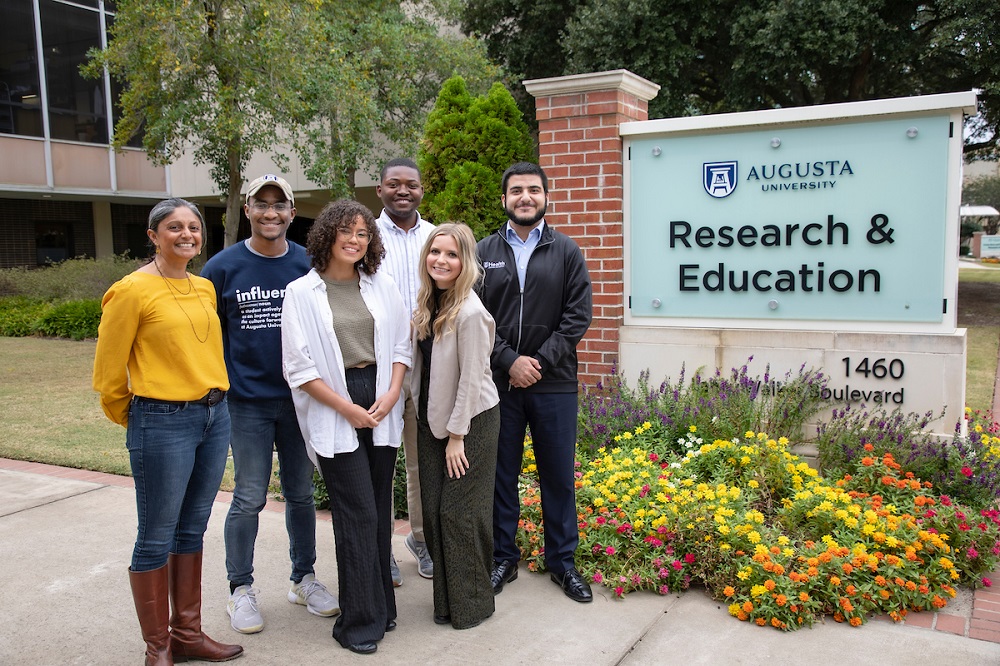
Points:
x=850, y=589
x=778, y=569
x=769, y=585
x=855, y=621
x=911, y=586
x=729, y=591
x=867, y=461
x=834, y=580
x=847, y=568
x=885, y=594
x=775, y=550
x=803, y=596
x=781, y=600
x=747, y=606
x=776, y=623
x=869, y=447
x=760, y=622
x=880, y=581
x=938, y=602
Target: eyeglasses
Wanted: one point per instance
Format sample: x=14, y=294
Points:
x=347, y=233
x=262, y=206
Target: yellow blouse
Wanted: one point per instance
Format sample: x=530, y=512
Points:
x=155, y=341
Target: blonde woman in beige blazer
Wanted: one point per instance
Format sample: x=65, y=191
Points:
x=458, y=422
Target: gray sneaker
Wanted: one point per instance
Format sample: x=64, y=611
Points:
x=425, y=566
x=242, y=608
x=397, y=578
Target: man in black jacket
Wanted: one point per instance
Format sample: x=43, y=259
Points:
x=537, y=288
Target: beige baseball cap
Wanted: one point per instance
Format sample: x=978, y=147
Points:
x=271, y=179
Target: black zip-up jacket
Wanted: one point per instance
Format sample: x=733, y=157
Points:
x=548, y=319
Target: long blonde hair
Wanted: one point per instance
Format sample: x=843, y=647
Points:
x=451, y=300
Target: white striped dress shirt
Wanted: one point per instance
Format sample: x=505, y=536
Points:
x=402, y=255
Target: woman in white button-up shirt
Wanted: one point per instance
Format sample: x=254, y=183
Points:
x=345, y=350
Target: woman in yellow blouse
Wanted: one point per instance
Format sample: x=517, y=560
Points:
x=160, y=372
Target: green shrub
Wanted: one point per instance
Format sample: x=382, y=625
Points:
x=72, y=319
x=73, y=279
x=468, y=143
x=19, y=315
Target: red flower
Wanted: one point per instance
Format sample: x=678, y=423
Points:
x=689, y=558
x=987, y=582
x=967, y=471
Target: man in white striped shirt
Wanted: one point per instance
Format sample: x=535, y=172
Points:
x=403, y=235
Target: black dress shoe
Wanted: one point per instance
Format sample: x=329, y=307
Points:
x=503, y=573
x=390, y=625
x=442, y=619
x=367, y=647
x=575, y=587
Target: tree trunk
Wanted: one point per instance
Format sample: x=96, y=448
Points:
x=233, y=199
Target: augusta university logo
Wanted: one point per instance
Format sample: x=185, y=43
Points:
x=719, y=178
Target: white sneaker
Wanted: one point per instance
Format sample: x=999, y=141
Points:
x=314, y=596
x=242, y=608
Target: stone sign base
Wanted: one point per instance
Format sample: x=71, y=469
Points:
x=913, y=372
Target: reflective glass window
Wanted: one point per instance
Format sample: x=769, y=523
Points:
x=20, y=101
x=77, y=108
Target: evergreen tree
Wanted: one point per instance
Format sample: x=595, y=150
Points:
x=468, y=143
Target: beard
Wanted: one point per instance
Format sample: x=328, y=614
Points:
x=526, y=222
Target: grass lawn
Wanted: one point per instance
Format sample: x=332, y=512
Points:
x=52, y=415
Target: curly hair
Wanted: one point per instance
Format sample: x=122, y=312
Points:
x=450, y=302
x=343, y=214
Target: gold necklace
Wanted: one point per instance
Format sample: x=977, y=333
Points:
x=171, y=288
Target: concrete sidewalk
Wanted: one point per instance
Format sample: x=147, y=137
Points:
x=65, y=546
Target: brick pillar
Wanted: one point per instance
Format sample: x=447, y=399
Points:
x=581, y=152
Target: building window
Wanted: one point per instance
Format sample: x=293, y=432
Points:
x=20, y=102
x=53, y=242
x=77, y=107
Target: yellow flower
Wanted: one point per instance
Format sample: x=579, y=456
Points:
x=693, y=428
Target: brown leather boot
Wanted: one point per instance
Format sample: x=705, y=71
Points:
x=187, y=642
x=152, y=605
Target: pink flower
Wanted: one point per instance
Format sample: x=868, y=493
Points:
x=676, y=564
x=601, y=520
x=987, y=582
x=610, y=550
x=967, y=471
x=598, y=577
x=664, y=590
x=972, y=553
x=658, y=562
x=663, y=573
x=653, y=457
x=945, y=500
x=689, y=558
x=619, y=591
x=636, y=579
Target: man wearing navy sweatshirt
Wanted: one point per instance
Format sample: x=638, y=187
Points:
x=250, y=279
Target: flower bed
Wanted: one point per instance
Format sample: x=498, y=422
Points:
x=779, y=543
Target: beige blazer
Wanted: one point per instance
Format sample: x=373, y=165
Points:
x=461, y=384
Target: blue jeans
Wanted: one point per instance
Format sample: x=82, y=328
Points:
x=260, y=427
x=178, y=454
